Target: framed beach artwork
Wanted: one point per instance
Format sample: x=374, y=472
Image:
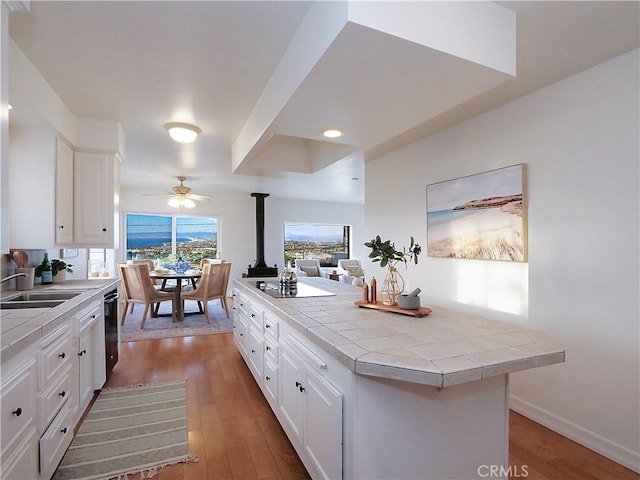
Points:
x=480, y=216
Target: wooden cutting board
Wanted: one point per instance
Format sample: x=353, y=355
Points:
x=419, y=313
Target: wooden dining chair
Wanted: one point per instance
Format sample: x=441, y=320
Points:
x=138, y=287
x=212, y=286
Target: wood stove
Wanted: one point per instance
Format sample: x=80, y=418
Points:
x=260, y=268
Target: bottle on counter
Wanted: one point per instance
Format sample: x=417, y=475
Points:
x=46, y=272
x=374, y=289
x=365, y=293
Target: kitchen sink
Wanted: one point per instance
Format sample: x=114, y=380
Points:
x=40, y=296
x=36, y=300
x=5, y=305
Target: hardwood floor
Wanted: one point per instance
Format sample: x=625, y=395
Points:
x=236, y=436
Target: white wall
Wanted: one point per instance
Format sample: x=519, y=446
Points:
x=579, y=139
x=236, y=213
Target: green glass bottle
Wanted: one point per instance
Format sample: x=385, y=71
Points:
x=46, y=273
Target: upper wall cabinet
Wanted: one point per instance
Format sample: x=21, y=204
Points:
x=64, y=194
x=58, y=197
x=32, y=193
x=95, y=199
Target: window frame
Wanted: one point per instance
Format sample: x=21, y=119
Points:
x=174, y=233
x=348, y=237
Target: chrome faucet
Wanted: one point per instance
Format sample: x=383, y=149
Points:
x=13, y=276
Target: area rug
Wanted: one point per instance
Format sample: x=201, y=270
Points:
x=163, y=327
x=130, y=431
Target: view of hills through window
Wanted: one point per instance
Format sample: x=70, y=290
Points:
x=162, y=238
x=325, y=243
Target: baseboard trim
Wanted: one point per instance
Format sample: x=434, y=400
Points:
x=618, y=453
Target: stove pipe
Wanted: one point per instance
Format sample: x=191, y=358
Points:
x=260, y=268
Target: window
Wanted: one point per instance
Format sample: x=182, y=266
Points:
x=159, y=236
x=325, y=243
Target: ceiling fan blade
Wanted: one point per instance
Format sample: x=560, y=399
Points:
x=194, y=196
x=157, y=194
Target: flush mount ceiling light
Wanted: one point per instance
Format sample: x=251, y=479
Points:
x=332, y=133
x=182, y=132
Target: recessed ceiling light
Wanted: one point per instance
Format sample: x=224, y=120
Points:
x=332, y=133
x=182, y=132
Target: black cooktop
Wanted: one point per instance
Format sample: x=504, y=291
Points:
x=301, y=291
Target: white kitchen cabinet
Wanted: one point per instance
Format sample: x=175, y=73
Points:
x=64, y=194
x=22, y=462
x=19, y=441
x=240, y=333
x=58, y=197
x=294, y=381
x=89, y=325
x=96, y=183
x=312, y=410
x=31, y=185
x=291, y=400
x=255, y=351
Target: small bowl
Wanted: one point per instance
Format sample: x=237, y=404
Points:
x=409, y=303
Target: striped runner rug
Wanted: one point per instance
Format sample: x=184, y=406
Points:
x=130, y=432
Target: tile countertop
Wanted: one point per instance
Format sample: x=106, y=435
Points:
x=442, y=349
x=21, y=327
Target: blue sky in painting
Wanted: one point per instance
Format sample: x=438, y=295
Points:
x=449, y=194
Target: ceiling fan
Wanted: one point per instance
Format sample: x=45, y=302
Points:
x=182, y=196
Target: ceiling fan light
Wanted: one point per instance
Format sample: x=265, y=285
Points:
x=174, y=202
x=187, y=202
x=182, y=132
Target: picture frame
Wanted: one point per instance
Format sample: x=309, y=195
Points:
x=68, y=252
x=481, y=216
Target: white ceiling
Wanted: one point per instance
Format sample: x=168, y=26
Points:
x=144, y=64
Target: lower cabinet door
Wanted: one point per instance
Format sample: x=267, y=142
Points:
x=271, y=382
x=323, y=426
x=22, y=463
x=291, y=399
x=256, y=352
x=85, y=357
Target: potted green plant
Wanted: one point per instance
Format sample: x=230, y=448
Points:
x=59, y=269
x=386, y=253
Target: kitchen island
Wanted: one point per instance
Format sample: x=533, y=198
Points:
x=370, y=394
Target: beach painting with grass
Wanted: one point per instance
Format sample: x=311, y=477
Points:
x=480, y=216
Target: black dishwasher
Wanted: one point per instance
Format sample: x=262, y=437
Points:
x=111, y=329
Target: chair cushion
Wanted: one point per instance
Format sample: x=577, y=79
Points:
x=310, y=271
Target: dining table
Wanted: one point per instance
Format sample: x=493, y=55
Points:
x=189, y=275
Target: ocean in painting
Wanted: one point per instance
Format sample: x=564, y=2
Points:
x=440, y=217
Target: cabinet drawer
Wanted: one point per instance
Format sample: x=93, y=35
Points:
x=54, y=358
x=53, y=398
x=251, y=313
x=17, y=397
x=88, y=316
x=270, y=350
x=55, y=440
x=271, y=326
x=271, y=382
